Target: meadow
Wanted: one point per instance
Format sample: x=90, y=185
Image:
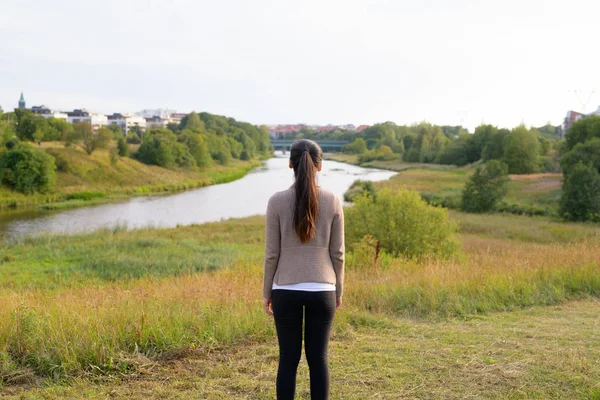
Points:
x=527, y=194
x=81, y=177
x=176, y=313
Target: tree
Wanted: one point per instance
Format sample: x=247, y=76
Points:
x=160, y=147
x=192, y=122
x=580, y=198
x=84, y=136
x=122, y=147
x=456, y=152
x=486, y=188
x=58, y=129
x=588, y=153
x=116, y=130
x=402, y=222
x=477, y=142
x=28, y=126
x=583, y=130
x=358, y=146
x=197, y=147
x=26, y=169
x=521, y=151
x=494, y=148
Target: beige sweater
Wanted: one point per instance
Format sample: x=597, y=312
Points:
x=288, y=260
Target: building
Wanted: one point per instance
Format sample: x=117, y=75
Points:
x=22, y=105
x=163, y=113
x=573, y=116
x=45, y=112
x=157, y=122
x=82, y=115
x=177, y=117
x=127, y=121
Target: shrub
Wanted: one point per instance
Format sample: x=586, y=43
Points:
x=580, y=199
x=486, y=188
x=122, y=146
x=359, y=187
x=358, y=146
x=114, y=156
x=403, y=224
x=62, y=164
x=27, y=170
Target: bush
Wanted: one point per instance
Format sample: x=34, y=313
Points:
x=403, y=224
x=486, y=188
x=122, y=146
x=358, y=146
x=359, y=187
x=580, y=199
x=62, y=164
x=27, y=170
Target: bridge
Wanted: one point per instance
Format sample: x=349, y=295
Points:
x=328, y=146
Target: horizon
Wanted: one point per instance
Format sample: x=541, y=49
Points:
x=342, y=62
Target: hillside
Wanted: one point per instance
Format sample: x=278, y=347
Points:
x=78, y=172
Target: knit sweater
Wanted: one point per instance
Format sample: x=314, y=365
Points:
x=288, y=260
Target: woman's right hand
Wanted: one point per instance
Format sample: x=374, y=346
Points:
x=338, y=302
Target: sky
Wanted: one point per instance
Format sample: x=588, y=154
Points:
x=311, y=61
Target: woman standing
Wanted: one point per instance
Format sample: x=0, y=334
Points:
x=304, y=270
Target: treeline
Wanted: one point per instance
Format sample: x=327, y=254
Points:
x=523, y=150
x=198, y=141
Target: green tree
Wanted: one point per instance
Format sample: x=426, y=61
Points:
x=486, y=188
x=122, y=147
x=28, y=126
x=58, y=129
x=192, y=122
x=116, y=130
x=580, y=197
x=197, y=147
x=521, y=151
x=87, y=139
x=27, y=170
x=456, y=151
x=403, y=224
x=587, y=152
x=358, y=146
x=583, y=130
x=160, y=147
x=494, y=148
x=482, y=136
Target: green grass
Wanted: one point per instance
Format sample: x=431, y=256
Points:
x=84, y=305
x=93, y=177
x=527, y=194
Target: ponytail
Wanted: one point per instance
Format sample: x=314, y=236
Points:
x=306, y=158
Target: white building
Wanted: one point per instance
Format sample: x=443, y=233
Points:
x=127, y=121
x=95, y=120
x=156, y=112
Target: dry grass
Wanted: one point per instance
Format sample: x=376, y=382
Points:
x=539, y=353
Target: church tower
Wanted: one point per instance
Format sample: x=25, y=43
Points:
x=22, y=102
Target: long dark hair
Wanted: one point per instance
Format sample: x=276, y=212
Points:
x=306, y=157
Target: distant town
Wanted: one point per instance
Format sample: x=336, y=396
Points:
x=161, y=118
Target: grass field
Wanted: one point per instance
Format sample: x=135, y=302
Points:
x=176, y=313
x=541, y=191
x=82, y=173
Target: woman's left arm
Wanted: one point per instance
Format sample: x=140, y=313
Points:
x=272, y=248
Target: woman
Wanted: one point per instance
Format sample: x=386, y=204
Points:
x=304, y=270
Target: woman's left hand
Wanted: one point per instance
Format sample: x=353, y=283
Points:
x=268, y=305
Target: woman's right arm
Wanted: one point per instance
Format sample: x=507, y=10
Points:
x=272, y=248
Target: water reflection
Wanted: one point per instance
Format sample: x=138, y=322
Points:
x=242, y=198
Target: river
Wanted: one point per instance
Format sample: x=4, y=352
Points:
x=242, y=198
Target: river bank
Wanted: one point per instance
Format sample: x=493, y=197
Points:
x=83, y=180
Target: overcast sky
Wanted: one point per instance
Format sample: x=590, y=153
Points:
x=312, y=61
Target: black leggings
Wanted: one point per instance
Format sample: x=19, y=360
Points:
x=318, y=309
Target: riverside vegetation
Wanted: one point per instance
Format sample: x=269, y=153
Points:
x=165, y=313
x=71, y=164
